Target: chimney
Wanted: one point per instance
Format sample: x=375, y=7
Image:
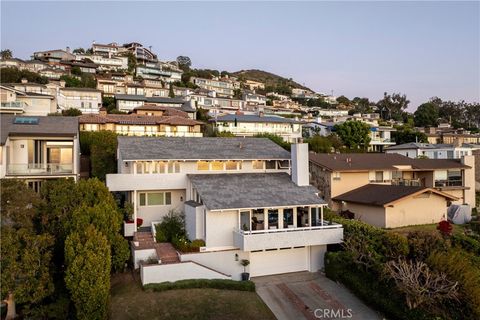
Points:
x=299, y=157
x=24, y=80
x=62, y=83
x=68, y=50
x=102, y=111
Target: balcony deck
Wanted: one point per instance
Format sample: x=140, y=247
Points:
x=288, y=237
x=39, y=169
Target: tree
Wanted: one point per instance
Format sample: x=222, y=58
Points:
x=237, y=94
x=319, y=144
x=6, y=54
x=86, y=80
x=76, y=71
x=406, y=134
x=420, y=284
x=13, y=75
x=79, y=51
x=25, y=250
x=101, y=146
x=184, y=63
x=354, y=134
x=71, y=112
x=109, y=104
x=277, y=139
x=426, y=115
x=87, y=255
x=132, y=61
x=343, y=100
x=362, y=105
x=171, y=93
x=392, y=106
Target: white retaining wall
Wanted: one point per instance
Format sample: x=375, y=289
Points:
x=222, y=261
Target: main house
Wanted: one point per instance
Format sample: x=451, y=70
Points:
x=247, y=198
x=391, y=190
x=38, y=148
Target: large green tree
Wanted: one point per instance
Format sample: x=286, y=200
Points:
x=87, y=256
x=101, y=146
x=26, y=251
x=392, y=106
x=6, y=54
x=426, y=115
x=406, y=134
x=13, y=75
x=354, y=134
x=184, y=63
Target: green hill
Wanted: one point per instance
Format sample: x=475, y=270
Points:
x=270, y=79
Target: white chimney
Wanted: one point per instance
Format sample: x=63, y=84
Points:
x=299, y=155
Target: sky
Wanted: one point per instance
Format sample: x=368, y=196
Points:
x=421, y=49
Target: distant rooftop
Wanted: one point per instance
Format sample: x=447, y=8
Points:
x=418, y=145
x=206, y=148
x=252, y=118
x=252, y=190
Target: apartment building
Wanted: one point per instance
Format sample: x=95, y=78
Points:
x=164, y=122
x=36, y=148
x=87, y=100
x=108, y=50
x=237, y=195
x=250, y=125
x=391, y=190
x=26, y=99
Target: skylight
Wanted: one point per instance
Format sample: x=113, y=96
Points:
x=25, y=120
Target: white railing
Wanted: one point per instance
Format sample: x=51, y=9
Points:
x=39, y=168
x=13, y=105
x=288, y=237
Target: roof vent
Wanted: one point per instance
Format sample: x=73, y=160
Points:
x=240, y=145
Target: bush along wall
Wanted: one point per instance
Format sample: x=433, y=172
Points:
x=377, y=265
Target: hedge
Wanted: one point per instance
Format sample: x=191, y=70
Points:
x=378, y=294
x=202, y=283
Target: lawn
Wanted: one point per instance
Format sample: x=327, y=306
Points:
x=457, y=228
x=130, y=301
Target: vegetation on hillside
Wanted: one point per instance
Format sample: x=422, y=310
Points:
x=270, y=79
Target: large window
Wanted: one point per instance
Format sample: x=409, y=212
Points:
x=202, y=165
x=155, y=198
x=258, y=164
x=217, y=165
x=150, y=167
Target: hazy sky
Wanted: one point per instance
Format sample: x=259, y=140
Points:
x=422, y=49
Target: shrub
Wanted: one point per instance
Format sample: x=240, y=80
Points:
x=393, y=246
x=463, y=267
x=423, y=243
x=184, y=245
x=159, y=235
x=172, y=226
x=198, y=243
x=202, y=283
x=445, y=228
x=467, y=243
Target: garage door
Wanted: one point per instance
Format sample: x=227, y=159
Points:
x=278, y=261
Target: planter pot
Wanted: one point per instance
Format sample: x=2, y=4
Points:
x=245, y=276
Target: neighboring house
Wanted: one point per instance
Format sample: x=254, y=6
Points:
x=168, y=123
x=107, y=50
x=254, y=98
x=217, y=104
x=142, y=54
x=249, y=125
x=254, y=85
x=106, y=63
x=336, y=175
x=237, y=195
x=303, y=93
x=433, y=151
x=87, y=100
x=24, y=102
x=223, y=87
x=155, y=70
x=35, y=149
x=83, y=65
x=152, y=109
x=128, y=102
x=52, y=73
x=54, y=57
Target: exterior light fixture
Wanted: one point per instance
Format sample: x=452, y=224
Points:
x=236, y=256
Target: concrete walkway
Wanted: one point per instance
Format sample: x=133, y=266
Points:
x=305, y=295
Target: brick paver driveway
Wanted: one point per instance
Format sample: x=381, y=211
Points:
x=305, y=295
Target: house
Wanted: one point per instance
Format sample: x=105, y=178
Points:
x=155, y=70
x=17, y=99
x=254, y=85
x=54, y=57
x=142, y=54
x=340, y=176
x=37, y=148
x=164, y=122
x=84, y=65
x=107, y=50
x=216, y=104
x=433, y=151
x=128, y=102
x=224, y=87
x=87, y=100
x=253, y=98
x=105, y=63
x=247, y=198
x=250, y=125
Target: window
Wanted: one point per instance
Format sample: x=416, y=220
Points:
x=283, y=164
x=231, y=165
x=258, y=164
x=202, y=166
x=217, y=165
x=271, y=165
x=155, y=198
x=336, y=175
x=379, y=176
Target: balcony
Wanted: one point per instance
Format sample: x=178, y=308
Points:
x=129, y=182
x=289, y=237
x=33, y=169
x=457, y=182
x=407, y=182
x=13, y=106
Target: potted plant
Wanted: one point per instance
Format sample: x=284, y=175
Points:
x=245, y=274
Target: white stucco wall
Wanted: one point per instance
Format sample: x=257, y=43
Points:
x=223, y=261
x=219, y=228
x=178, y=271
x=138, y=255
x=156, y=213
x=194, y=222
x=317, y=258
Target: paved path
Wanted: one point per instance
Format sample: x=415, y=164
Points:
x=305, y=295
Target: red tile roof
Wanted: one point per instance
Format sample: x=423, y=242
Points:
x=134, y=119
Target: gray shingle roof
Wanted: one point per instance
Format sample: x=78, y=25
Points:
x=252, y=190
x=152, y=148
x=47, y=127
x=134, y=97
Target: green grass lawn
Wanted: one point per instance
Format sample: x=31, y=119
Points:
x=130, y=301
x=457, y=229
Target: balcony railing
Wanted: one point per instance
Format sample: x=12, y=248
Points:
x=407, y=182
x=288, y=237
x=458, y=182
x=39, y=168
x=15, y=105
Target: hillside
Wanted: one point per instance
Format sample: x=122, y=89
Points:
x=268, y=78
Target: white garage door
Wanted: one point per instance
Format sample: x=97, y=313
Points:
x=278, y=261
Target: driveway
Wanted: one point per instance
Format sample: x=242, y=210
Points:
x=305, y=295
